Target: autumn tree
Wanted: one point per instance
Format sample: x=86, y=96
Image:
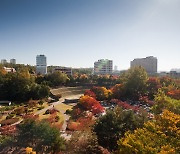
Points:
x=118, y=91
x=40, y=135
x=90, y=93
x=5, y=141
x=91, y=104
x=174, y=93
x=162, y=101
x=83, y=78
x=102, y=93
x=153, y=84
x=24, y=72
x=38, y=91
x=15, y=87
x=159, y=136
x=166, y=81
x=2, y=70
x=135, y=82
x=112, y=126
x=57, y=78
x=84, y=142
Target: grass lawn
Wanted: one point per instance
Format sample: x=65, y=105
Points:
x=36, y=108
x=3, y=118
x=67, y=91
x=46, y=116
x=63, y=107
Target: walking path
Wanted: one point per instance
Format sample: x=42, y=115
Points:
x=66, y=117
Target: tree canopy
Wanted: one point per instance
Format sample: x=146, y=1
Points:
x=135, y=82
x=112, y=126
x=159, y=136
x=40, y=135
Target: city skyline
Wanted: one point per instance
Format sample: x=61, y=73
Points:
x=76, y=34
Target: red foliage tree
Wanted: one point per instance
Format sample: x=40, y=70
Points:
x=52, y=118
x=30, y=116
x=153, y=86
x=90, y=93
x=85, y=122
x=7, y=130
x=91, y=104
x=127, y=106
x=174, y=93
x=73, y=125
x=145, y=100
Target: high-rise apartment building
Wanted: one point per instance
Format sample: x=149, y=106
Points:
x=13, y=61
x=103, y=66
x=149, y=64
x=3, y=61
x=41, y=64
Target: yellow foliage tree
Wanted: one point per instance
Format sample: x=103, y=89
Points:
x=29, y=150
x=160, y=136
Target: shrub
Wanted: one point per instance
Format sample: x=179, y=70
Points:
x=51, y=111
x=57, y=118
x=10, y=116
x=31, y=116
x=1, y=116
x=9, y=121
x=58, y=96
x=32, y=103
x=68, y=111
x=175, y=94
x=47, y=111
x=41, y=102
x=73, y=126
x=41, y=107
x=19, y=110
x=7, y=108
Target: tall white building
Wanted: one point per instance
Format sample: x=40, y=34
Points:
x=103, y=66
x=13, y=61
x=41, y=64
x=3, y=61
x=149, y=64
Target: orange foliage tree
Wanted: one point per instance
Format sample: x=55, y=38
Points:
x=91, y=104
x=174, y=93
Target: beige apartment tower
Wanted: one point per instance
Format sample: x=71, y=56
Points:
x=149, y=64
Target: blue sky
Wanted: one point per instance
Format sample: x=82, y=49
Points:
x=78, y=32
